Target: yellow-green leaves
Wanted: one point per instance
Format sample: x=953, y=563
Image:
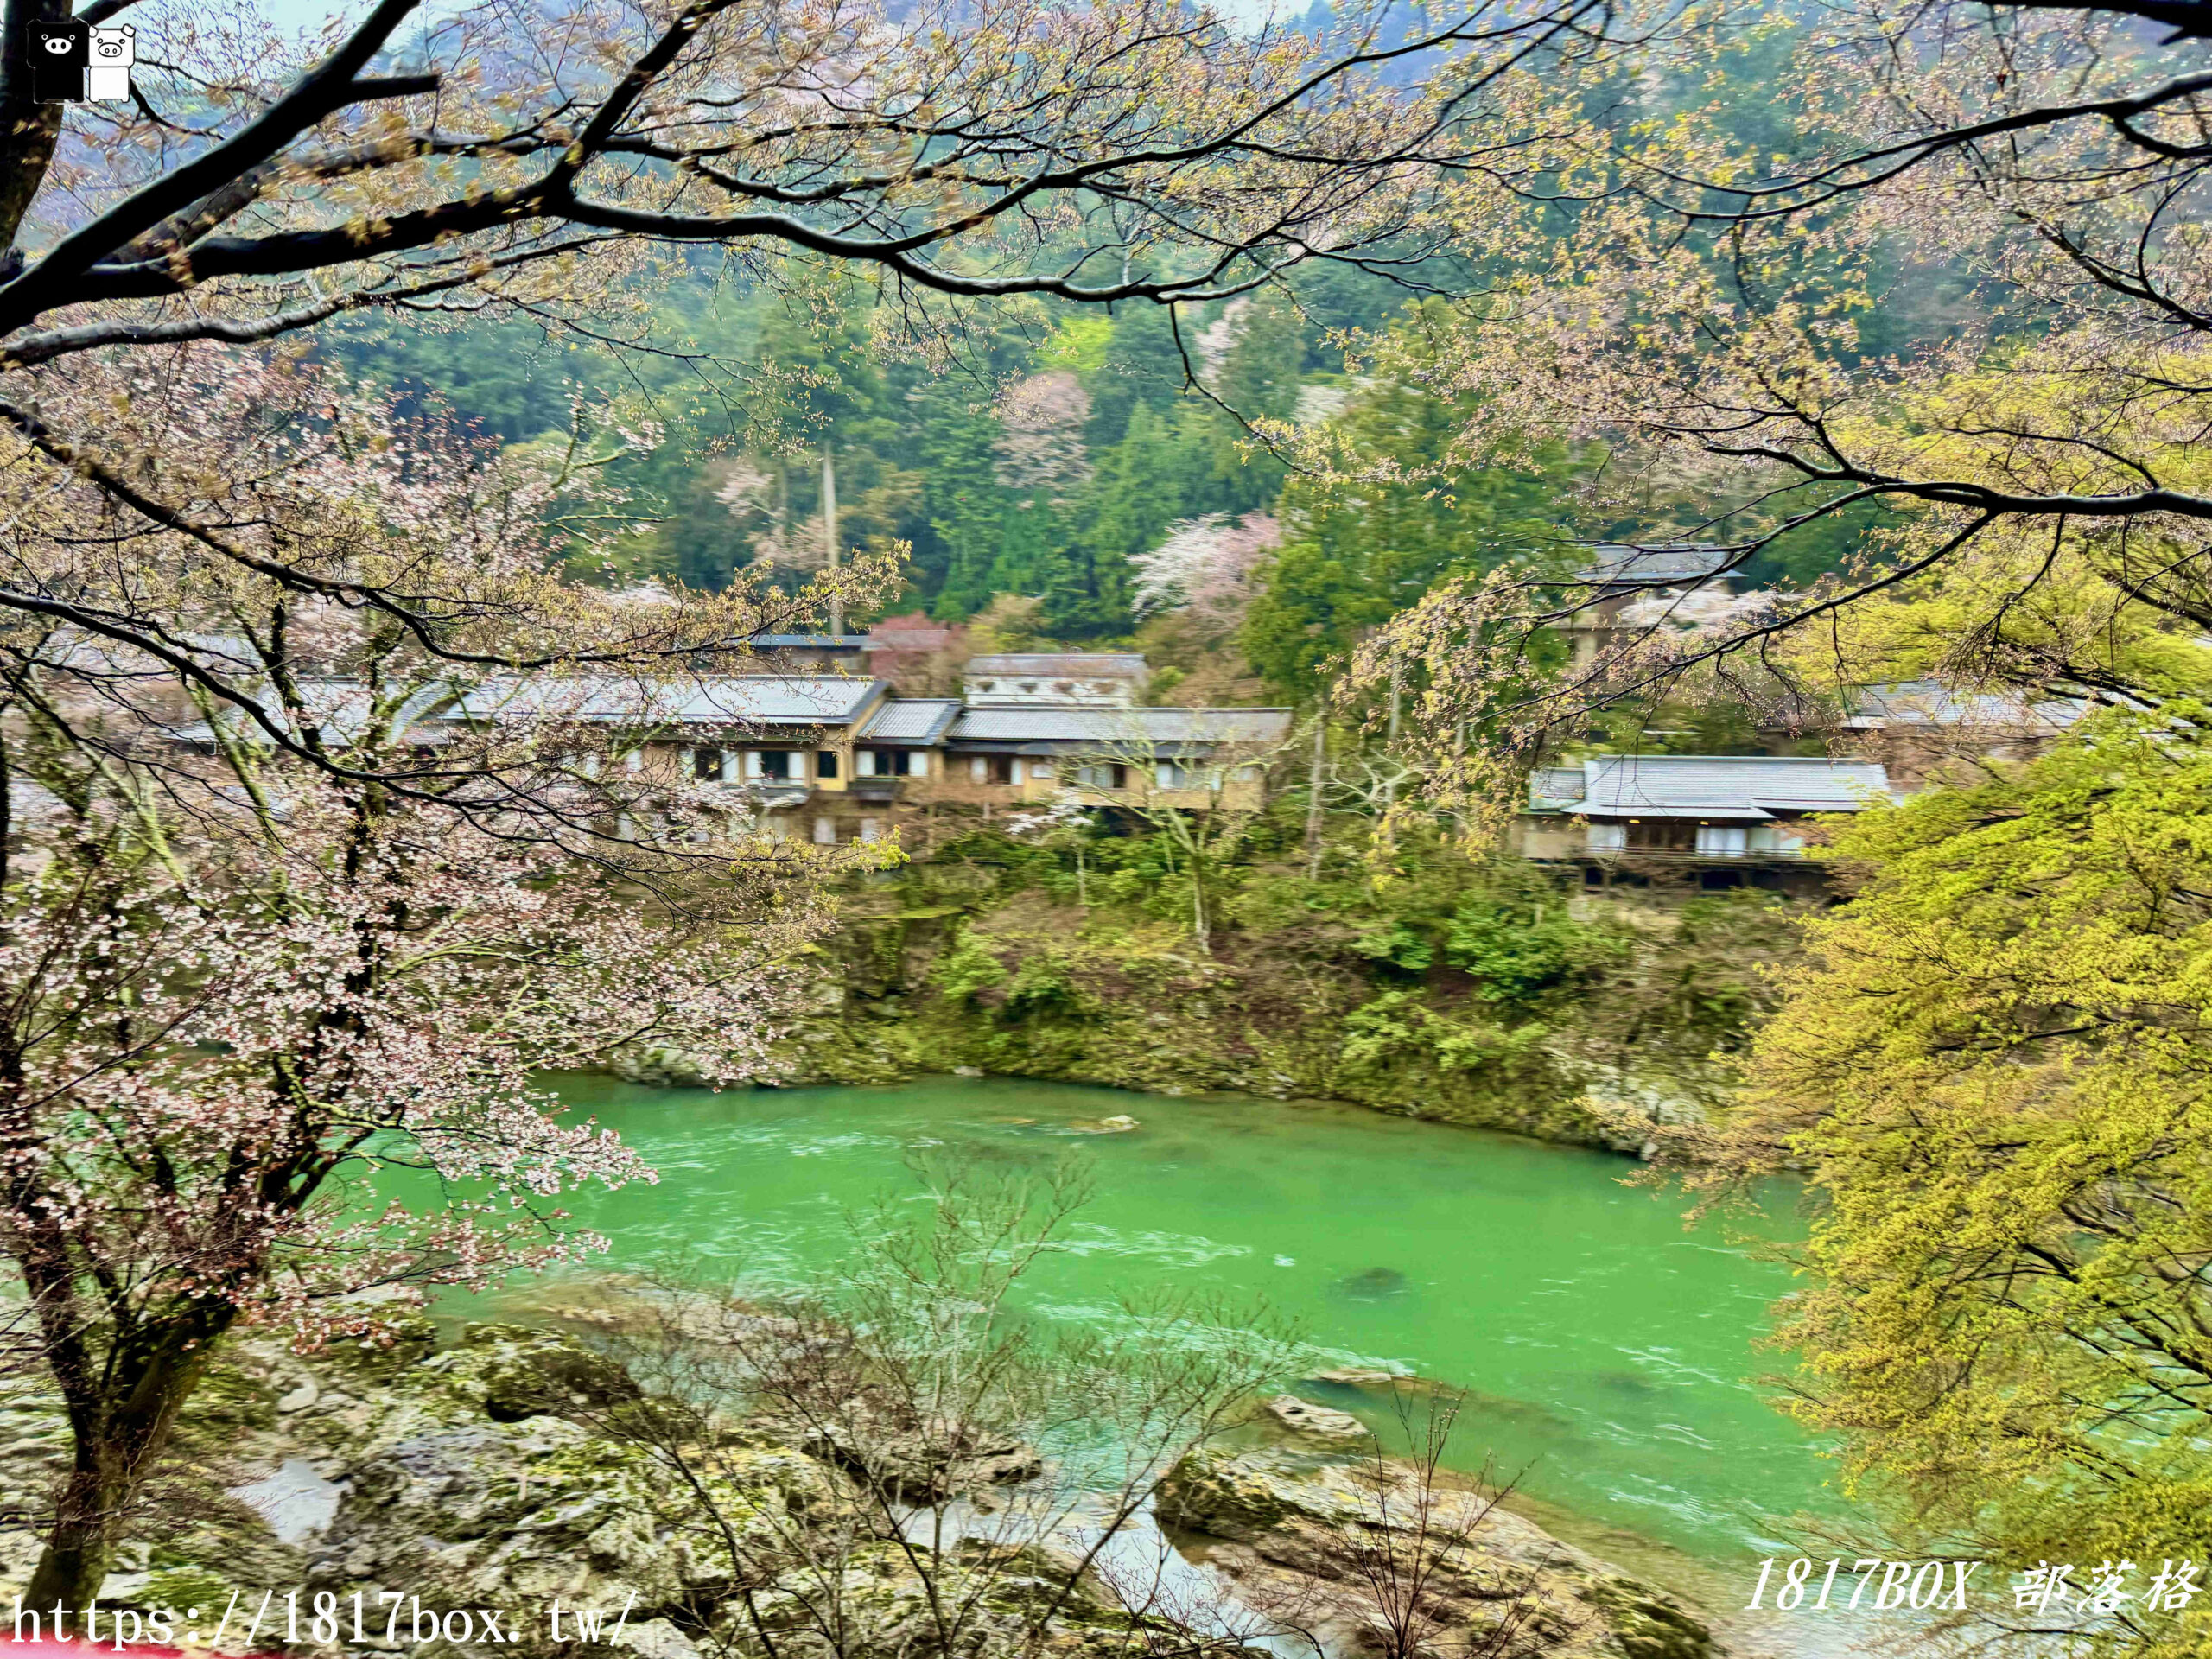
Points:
x=1996, y=1070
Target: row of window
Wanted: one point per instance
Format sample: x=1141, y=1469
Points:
x=1707, y=840
x=792, y=766
x=1103, y=775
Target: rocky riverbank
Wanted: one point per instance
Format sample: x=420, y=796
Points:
x=417, y=1498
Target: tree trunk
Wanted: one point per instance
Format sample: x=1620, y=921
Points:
x=1201, y=927
x=119, y=1434
x=28, y=130
x=1390, y=750
x=79, y=1544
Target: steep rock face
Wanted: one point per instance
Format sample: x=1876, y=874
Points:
x=1286, y=1529
x=1012, y=986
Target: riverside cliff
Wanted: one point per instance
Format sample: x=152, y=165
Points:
x=1428, y=983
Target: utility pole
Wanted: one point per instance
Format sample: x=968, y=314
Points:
x=830, y=532
x=1390, y=756
x=1313, y=791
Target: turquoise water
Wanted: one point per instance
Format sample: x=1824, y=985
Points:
x=1609, y=1353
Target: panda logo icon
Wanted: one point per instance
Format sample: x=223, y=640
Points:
x=58, y=54
x=107, y=78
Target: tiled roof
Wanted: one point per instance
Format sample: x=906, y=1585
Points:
x=1710, y=785
x=1068, y=664
x=915, y=720
x=1931, y=702
x=726, y=700
x=1653, y=566
x=1113, y=728
x=807, y=641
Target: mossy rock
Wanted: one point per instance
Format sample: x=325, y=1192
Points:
x=514, y=1372
x=183, y=1588
x=1647, y=1623
x=405, y=1337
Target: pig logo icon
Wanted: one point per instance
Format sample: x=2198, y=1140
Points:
x=58, y=54
x=107, y=77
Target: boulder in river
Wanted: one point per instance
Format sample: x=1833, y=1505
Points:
x=1325, y=1421
x=1362, y=1376
x=1373, y=1285
x=1282, y=1530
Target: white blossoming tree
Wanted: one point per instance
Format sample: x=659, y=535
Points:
x=262, y=932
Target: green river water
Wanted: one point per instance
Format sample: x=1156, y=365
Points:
x=1608, y=1352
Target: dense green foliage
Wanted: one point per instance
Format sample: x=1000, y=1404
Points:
x=1354, y=557
x=1054, y=446
x=1481, y=991
x=1994, y=1066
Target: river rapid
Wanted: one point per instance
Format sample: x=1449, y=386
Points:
x=1609, y=1352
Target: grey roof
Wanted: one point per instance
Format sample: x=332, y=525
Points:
x=807, y=641
x=339, y=710
x=1707, y=785
x=1618, y=563
x=913, y=719
x=1932, y=702
x=1109, y=729
x=1117, y=664
x=726, y=700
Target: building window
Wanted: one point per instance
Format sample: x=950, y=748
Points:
x=1104, y=776
x=889, y=763
x=1608, y=837
x=1172, y=774
x=1004, y=769
x=1720, y=840
x=825, y=763
x=871, y=829
x=825, y=832
x=707, y=764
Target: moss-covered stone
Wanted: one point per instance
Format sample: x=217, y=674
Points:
x=515, y=1372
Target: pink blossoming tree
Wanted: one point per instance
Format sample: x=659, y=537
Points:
x=268, y=923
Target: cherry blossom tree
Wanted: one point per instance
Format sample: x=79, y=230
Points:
x=1206, y=567
x=494, y=155
x=323, y=574
x=207, y=1049
x=553, y=162
x=1039, y=446
x=267, y=926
